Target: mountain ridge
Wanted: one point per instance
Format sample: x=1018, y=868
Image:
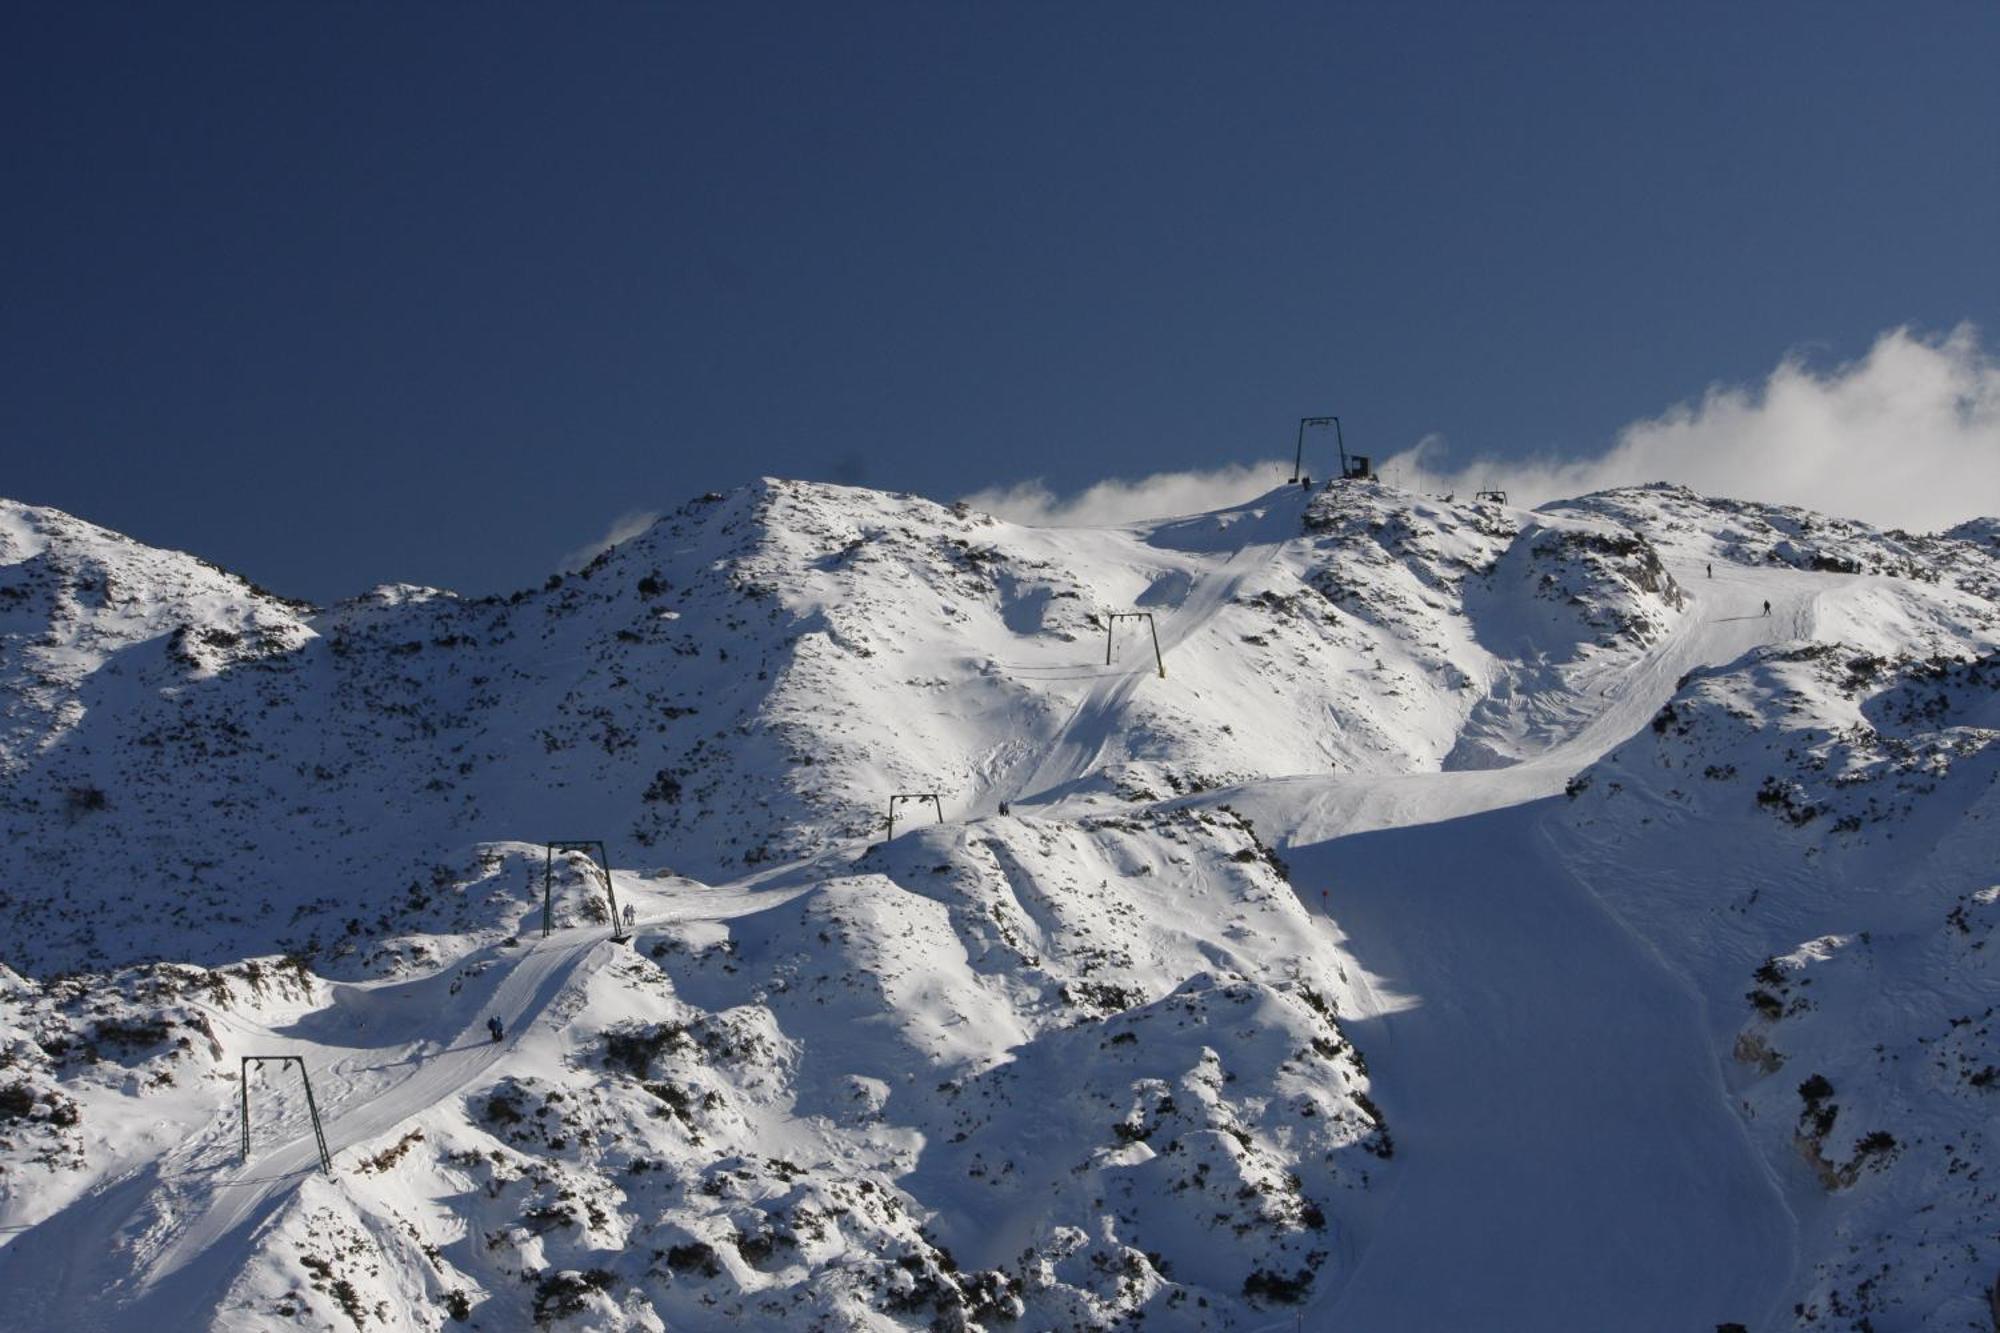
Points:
x=1422, y=781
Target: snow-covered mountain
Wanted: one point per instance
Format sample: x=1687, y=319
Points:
x=1505, y=919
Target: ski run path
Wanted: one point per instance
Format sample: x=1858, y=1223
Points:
x=183, y=1224
x=1567, y=1155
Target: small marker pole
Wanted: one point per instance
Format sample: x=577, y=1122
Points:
x=548, y=889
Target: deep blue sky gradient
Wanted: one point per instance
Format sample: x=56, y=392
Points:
x=342, y=293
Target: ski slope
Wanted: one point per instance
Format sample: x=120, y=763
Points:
x=1518, y=1021
x=1459, y=1072
x=1513, y=1019
x=1079, y=747
x=1725, y=620
x=176, y=1228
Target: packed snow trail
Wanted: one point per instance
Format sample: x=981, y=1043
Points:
x=1714, y=630
x=179, y=1227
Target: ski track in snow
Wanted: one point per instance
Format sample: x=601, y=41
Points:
x=1315, y=808
x=180, y=1225
x=185, y=1221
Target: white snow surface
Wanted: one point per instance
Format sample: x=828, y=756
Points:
x=1570, y=919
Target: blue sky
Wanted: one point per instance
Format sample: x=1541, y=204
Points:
x=340, y=294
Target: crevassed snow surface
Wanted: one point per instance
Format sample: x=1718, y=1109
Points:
x=1573, y=919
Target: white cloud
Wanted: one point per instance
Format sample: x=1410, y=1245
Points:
x=1907, y=436
x=623, y=528
x=1162, y=495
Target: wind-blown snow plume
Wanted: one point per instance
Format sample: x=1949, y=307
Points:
x=1162, y=495
x=1907, y=436
x=623, y=529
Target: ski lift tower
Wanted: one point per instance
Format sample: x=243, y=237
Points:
x=1353, y=467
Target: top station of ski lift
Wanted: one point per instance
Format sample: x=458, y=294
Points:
x=1353, y=467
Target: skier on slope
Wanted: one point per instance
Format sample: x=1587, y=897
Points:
x=1767, y=607
x=493, y=1026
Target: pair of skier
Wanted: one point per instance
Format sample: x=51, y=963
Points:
x=1767, y=604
